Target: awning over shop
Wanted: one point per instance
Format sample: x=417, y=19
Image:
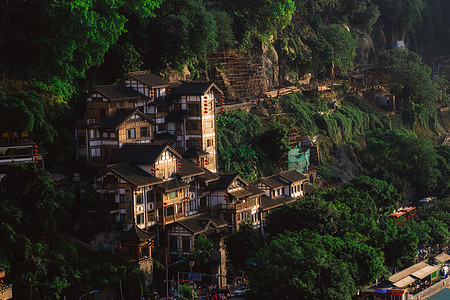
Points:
x=405, y=282
x=443, y=257
x=424, y=272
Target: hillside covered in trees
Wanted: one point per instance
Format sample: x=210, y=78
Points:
x=53, y=52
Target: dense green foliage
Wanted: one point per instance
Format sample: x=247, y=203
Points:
x=183, y=32
x=242, y=244
x=407, y=161
x=351, y=228
x=246, y=148
x=411, y=84
x=333, y=49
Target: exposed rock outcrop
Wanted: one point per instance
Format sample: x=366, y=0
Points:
x=345, y=163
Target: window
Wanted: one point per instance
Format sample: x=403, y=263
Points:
x=179, y=208
x=139, y=199
x=192, y=205
x=194, y=109
x=140, y=219
x=173, y=243
x=92, y=133
x=209, y=143
x=162, y=127
x=210, y=106
x=150, y=196
x=113, y=134
x=186, y=242
x=169, y=211
x=131, y=133
x=105, y=134
x=145, y=132
x=95, y=152
x=151, y=217
x=121, y=198
x=163, y=108
x=194, y=143
x=173, y=194
x=208, y=124
x=193, y=125
x=178, y=144
x=82, y=140
x=177, y=126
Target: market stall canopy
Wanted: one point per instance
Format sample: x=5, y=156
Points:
x=443, y=257
x=424, y=272
x=405, y=281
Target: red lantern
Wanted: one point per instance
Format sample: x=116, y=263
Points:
x=206, y=97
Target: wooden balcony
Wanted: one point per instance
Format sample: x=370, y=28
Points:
x=171, y=218
x=246, y=204
x=234, y=206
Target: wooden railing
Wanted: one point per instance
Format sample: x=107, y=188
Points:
x=245, y=204
x=234, y=206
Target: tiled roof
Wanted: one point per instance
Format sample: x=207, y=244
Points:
x=269, y=203
x=200, y=223
x=172, y=185
x=224, y=181
x=240, y=193
x=162, y=101
x=195, y=88
x=164, y=136
x=189, y=169
x=209, y=176
x=149, y=79
x=133, y=174
x=292, y=176
x=255, y=190
x=274, y=182
x=177, y=115
x=135, y=234
x=120, y=116
x=194, y=152
x=117, y=92
x=138, y=153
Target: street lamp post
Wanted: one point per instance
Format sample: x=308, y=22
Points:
x=89, y=293
x=191, y=264
x=167, y=276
